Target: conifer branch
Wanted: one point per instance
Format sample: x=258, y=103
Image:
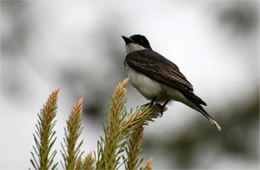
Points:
x=134, y=149
x=142, y=116
x=71, y=150
x=148, y=165
x=89, y=162
x=44, y=136
x=113, y=136
x=123, y=133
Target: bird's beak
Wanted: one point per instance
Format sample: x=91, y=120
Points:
x=127, y=40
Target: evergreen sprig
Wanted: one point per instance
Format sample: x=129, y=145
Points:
x=148, y=165
x=70, y=149
x=142, y=116
x=134, y=149
x=122, y=132
x=44, y=136
x=122, y=141
x=89, y=162
x=110, y=146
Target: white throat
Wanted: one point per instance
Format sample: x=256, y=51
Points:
x=131, y=47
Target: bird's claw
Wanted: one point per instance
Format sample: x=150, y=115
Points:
x=162, y=109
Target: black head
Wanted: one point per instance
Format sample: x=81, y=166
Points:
x=138, y=39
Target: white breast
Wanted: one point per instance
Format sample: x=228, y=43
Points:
x=145, y=85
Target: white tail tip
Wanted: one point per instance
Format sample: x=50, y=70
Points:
x=215, y=124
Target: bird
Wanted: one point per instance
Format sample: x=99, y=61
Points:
x=157, y=78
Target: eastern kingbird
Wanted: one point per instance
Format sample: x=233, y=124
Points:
x=157, y=78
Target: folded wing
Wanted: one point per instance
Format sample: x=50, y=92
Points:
x=161, y=69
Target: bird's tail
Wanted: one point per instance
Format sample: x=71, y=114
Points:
x=205, y=113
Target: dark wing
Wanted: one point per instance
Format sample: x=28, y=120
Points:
x=161, y=69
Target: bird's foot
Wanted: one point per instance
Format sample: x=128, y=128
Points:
x=163, y=108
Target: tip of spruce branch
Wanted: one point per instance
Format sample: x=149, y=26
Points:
x=89, y=161
x=45, y=135
x=150, y=160
x=53, y=98
x=77, y=108
x=148, y=165
x=56, y=90
x=125, y=82
x=80, y=101
x=90, y=154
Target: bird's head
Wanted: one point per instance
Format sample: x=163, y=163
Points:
x=136, y=42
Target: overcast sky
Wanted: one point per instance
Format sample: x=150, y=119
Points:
x=41, y=39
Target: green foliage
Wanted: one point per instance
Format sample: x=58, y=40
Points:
x=134, y=149
x=44, y=136
x=122, y=141
x=71, y=152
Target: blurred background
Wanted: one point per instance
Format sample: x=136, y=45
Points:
x=77, y=46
